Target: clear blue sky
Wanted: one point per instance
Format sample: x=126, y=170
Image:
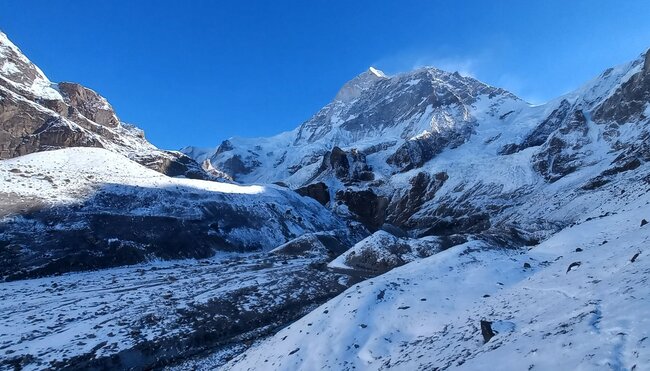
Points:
x=198, y=72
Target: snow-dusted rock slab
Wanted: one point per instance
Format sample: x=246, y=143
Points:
x=382, y=251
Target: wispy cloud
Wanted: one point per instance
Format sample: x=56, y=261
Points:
x=410, y=60
x=518, y=86
x=485, y=66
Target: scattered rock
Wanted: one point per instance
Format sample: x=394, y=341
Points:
x=486, y=331
x=573, y=265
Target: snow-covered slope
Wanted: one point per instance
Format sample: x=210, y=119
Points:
x=577, y=301
x=492, y=217
x=81, y=208
x=154, y=313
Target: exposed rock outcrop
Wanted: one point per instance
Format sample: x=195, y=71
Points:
x=628, y=103
x=317, y=191
x=405, y=203
x=368, y=207
x=542, y=132
x=38, y=115
x=562, y=154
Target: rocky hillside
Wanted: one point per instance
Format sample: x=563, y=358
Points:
x=54, y=220
x=38, y=115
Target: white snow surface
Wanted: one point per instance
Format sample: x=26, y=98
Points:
x=426, y=314
x=65, y=174
x=74, y=175
x=377, y=72
x=40, y=86
x=104, y=312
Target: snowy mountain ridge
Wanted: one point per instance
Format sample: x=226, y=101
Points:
x=520, y=230
x=431, y=149
x=419, y=221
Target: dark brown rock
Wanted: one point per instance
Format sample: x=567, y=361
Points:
x=317, y=191
x=573, y=265
x=486, y=330
x=369, y=208
x=561, y=154
x=627, y=104
x=347, y=166
x=423, y=189
x=89, y=104
x=416, y=152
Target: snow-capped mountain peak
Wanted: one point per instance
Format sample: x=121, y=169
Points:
x=376, y=72
x=18, y=72
x=353, y=88
x=375, y=114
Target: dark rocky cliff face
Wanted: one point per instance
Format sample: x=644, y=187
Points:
x=629, y=101
x=89, y=104
x=37, y=115
x=26, y=129
x=562, y=152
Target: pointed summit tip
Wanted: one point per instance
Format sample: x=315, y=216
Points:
x=376, y=72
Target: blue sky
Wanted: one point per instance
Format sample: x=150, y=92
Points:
x=198, y=72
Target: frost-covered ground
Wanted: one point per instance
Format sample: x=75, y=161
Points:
x=157, y=312
x=550, y=313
